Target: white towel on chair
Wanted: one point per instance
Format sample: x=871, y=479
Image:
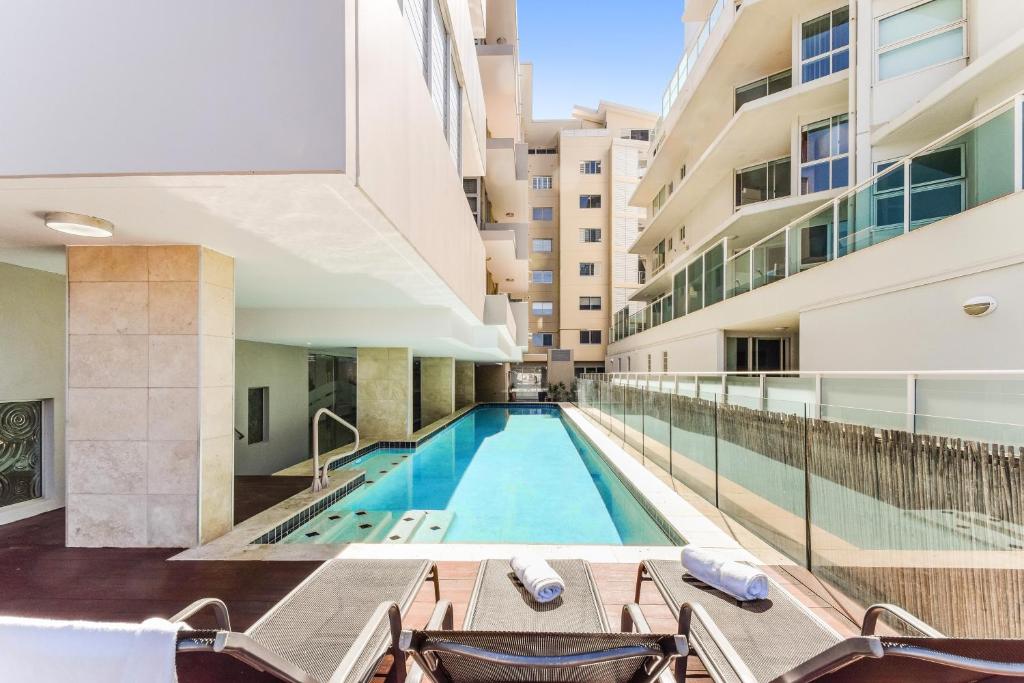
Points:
x=739, y=580
x=87, y=652
x=540, y=580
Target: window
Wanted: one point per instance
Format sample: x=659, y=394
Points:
x=434, y=49
x=542, y=308
x=930, y=33
x=259, y=406
x=588, y=269
x=541, y=182
x=590, y=167
x=763, y=182
x=825, y=48
x=764, y=87
x=590, y=201
x=664, y=361
x=541, y=277
x=682, y=172
x=938, y=188
x=682, y=233
x=542, y=246
x=590, y=336
x=543, y=339
x=590, y=234
x=543, y=213
x=543, y=150
x=824, y=155
x=590, y=303
x=637, y=134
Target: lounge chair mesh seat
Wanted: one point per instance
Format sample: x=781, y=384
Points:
x=461, y=668
x=316, y=624
x=502, y=617
x=772, y=636
x=499, y=602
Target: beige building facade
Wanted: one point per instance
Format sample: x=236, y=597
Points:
x=582, y=170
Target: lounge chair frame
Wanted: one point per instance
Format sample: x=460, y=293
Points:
x=243, y=647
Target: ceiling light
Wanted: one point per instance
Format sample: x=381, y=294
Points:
x=79, y=224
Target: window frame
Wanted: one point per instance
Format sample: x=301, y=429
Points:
x=550, y=336
x=959, y=181
x=590, y=167
x=546, y=182
x=548, y=306
x=828, y=160
x=588, y=199
x=586, y=303
x=833, y=50
x=533, y=245
x=550, y=211
x=592, y=268
x=584, y=232
x=878, y=50
x=590, y=337
x=549, y=281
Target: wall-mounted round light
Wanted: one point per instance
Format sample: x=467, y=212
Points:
x=978, y=306
x=79, y=224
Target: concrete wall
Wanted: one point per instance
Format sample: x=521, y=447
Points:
x=437, y=389
x=404, y=163
x=920, y=328
x=465, y=383
x=384, y=393
x=252, y=85
x=285, y=371
x=701, y=352
x=32, y=343
x=492, y=382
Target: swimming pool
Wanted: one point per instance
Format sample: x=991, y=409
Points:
x=499, y=474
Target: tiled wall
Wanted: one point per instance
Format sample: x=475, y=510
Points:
x=465, y=383
x=437, y=389
x=150, y=395
x=384, y=393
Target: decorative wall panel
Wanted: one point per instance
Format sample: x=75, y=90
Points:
x=21, y=451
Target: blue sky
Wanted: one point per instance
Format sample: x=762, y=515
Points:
x=589, y=50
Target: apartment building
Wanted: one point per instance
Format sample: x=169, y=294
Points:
x=834, y=185
x=582, y=171
x=244, y=222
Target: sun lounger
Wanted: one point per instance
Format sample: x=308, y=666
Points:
x=507, y=636
x=334, y=626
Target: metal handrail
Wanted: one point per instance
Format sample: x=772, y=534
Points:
x=321, y=478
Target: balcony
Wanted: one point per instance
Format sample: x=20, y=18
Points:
x=966, y=168
x=759, y=131
x=506, y=178
x=499, y=73
x=508, y=253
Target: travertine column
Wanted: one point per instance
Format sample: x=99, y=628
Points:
x=384, y=393
x=492, y=382
x=465, y=383
x=437, y=389
x=150, y=395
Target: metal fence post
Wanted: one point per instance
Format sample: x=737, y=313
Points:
x=715, y=398
x=807, y=491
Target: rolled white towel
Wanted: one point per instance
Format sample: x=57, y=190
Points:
x=741, y=581
x=537, y=576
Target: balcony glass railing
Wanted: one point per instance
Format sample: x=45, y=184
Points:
x=969, y=166
x=689, y=60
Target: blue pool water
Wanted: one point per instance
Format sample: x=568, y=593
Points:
x=497, y=475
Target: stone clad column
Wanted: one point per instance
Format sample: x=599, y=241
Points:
x=465, y=383
x=437, y=389
x=384, y=393
x=150, y=395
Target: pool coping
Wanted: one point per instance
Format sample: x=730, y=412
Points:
x=664, y=505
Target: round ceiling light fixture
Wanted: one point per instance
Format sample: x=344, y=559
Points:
x=79, y=224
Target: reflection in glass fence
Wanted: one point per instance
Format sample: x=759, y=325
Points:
x=864, y=498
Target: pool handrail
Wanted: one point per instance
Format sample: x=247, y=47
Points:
x=321, y=478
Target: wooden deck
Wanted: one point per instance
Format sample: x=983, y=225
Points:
x=42, y=578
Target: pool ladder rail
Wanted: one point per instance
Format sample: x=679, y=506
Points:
x=321, y=477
